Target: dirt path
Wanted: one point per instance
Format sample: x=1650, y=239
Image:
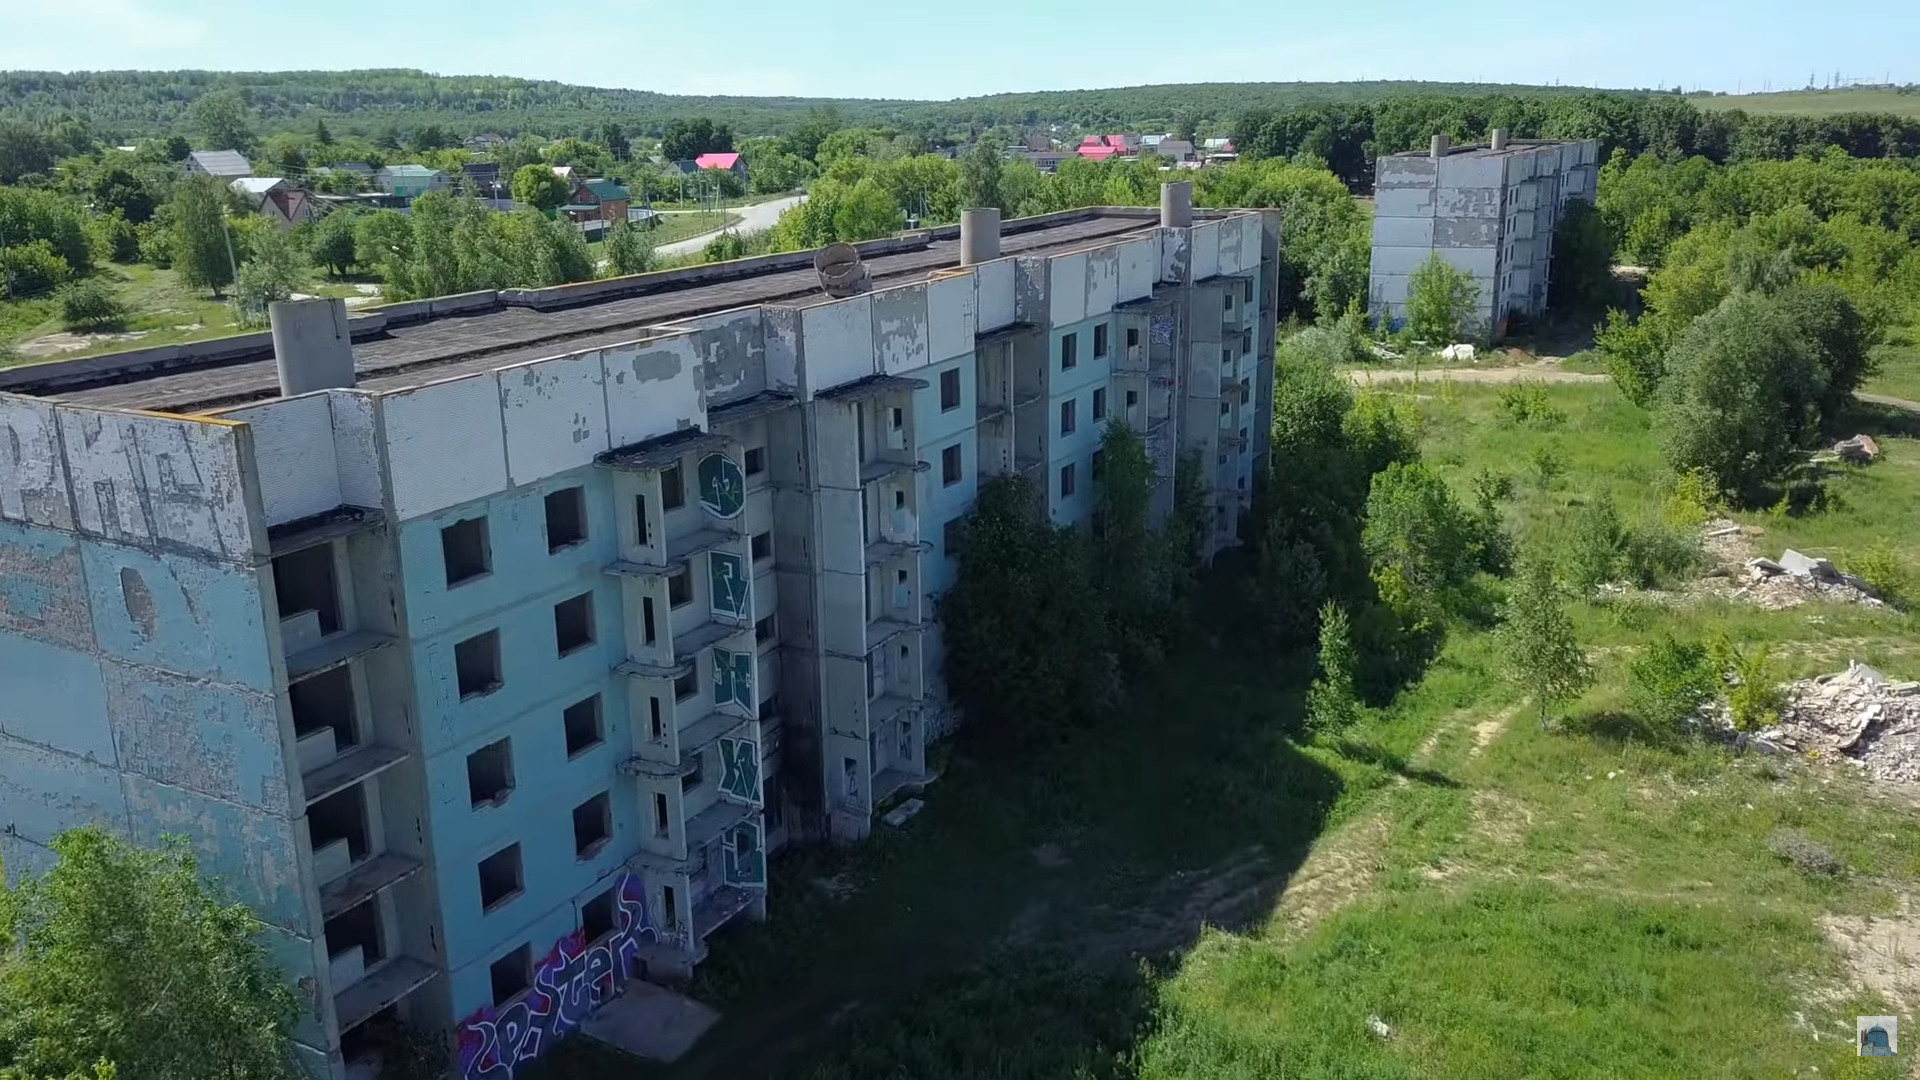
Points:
x=1536, y=372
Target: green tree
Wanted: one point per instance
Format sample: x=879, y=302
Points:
x=24, y=151
x=1840, y=335
x=1581, y=275
x=1542, y=655
x=866, y=213
x=31, y=269
x=91, y=305
x=127, y=955
x=1596, y=547
x=117, y=190
x=1441, y=301
x=1667, y=684
x=538, y=187
x=980, y=178
x=628, y=249
x=321, y=135
x=223, y=120
x=275, y=270
x=27, y=215
x=1424, y=547
x=1137, y=566
x=615, y=140
x=1332, y=703
x=332, y=242
x=198, y=225
x=1741, y=396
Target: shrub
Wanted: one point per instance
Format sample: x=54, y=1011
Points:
x=115, y=238
x=1547, y=465
x=1879, y=565
x=1596, y=544
x=1750, y=685
x=1667, y=685
x=628, y=251
x=32, y=269
x=155, y=242
x=1526, y=402
x=1331, y=702
x=274, y=271
x=1659, y=557
x=1440, y=302
x=1692, y=502
x=91, y=305
x=1807, y=856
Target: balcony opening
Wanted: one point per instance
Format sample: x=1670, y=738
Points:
x=464, y=546
x=762, y=546
x=1133, y=398
x=1099, y=341
x=673, y=488
x=476, y=663
x=1133, y=337
x=573, y=624
x=358, y=926
x=597, y=916
x=511, y=974
x=669, y=908
x=325, y=701
x=770, y=800
x=850, y=777
x=304, y=581
x=695, y=776
x=566, y=518
x=662, y=828
x=583, y=726
x=685, y=687
x=763, y=630
x=649, y=633
x=592, y=826
x=490, y=774
x=640, y=533
x=656, y=727
x=340, y=816
x=756, y=460
x=500, y=877
x=680, y=589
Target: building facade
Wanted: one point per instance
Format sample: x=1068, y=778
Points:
x=1490, y=211
x=490, y=685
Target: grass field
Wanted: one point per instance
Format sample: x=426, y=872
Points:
x=679, y=226
x=1195, y=891
x=1899, y=357
x=1816, y=102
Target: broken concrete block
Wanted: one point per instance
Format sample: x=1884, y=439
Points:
x=903, y=813
x=1860, y=450
x=1807, y=566
x=1765, y=566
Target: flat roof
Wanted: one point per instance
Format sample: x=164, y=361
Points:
x=1513, y=146
x=463, y=344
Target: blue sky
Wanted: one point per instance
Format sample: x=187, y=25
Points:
x=942, y=50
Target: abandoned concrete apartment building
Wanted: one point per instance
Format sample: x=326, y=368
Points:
x=490, y=674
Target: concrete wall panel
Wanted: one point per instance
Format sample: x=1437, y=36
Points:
x=555, y=412
x=652, y=389
x=1175, y=255
x=1467, y=202
x=47, y=792
x=178, y=613
x=1103, y=281
x=1468, y=171
x=1467, y=232
x=64, y=706
x=993, y=282
x=1067, y=284
x=293, y=445
x=837, y=342
x=1232, y=230
x=951, y=318
x=730, y=349
x=251, y=852
x=149, y=478
x=900, y=336
x=1139, y=265
x=781, y=330
x=445, y=444
x=43, y=591
x=356, y=448
x=1412, y=232
x=1404, y=201
x=1398, y=261
x=180, y=732
x=33, y=475
x=1206, y=250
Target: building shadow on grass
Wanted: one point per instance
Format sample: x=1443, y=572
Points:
x=1393, y=763
x=1019, y=926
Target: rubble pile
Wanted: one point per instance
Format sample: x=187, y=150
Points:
x=1856, y=715
x=1793, y=579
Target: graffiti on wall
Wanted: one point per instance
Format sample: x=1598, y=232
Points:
x=728, y=584
x=744, y=859
x=733, y=679
x=740, y=770
x=568, y=985
x=723, y=486
x=1162, y=331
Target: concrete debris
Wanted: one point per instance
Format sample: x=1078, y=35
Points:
x=1378, y=1027
x=1859, y=450
x=1462, y=353
x=1807, y=566
x=1794, y=578
x=1382, y=352
x=1858, y=716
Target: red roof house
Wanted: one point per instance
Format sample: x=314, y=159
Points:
x=729, y=162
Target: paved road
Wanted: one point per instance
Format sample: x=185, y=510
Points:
x=757, y=216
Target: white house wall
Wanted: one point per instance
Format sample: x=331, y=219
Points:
x=293, y=442
x=837, y=342
x=1067, y=284
x=445, y=444
x=993, y=282
x=650, y=391
x=951, y=318
x=900, y=329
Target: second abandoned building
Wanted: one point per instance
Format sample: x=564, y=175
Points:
x=493, y=671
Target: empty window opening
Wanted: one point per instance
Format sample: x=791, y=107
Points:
x=1099, y=342
x=1133, y=398
x=669, y=907
x=566, y=518
x=597, y=915
x=661, y=827
x=583, y=725
x=756, y=462
x=1133, y=337
x=640, y=533
x=325, y=701
x=1068, y=418
x=464, y=545
x=899, y=499
x=1099, y=465
x=673, y=491
x=1066, y=480
x=656, y=726
x=573, y=623
x=897, y=418
x=762, y=546
x=511, y=974
x=950, y=466
x=950, y=390
x=648, y=632
x=340, y=816
x=500, y=877
x=1069, y=351
x=490, y=773
x=680, y=588
x=476, y=663
x=592, y=825
x=695, y=776
x=763, y=630
x=304, y=581
x=686, y=686
x=358, y=925
x=1100, y=403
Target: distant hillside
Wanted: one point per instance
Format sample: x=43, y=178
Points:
x=131, y=104
x=1903, y=101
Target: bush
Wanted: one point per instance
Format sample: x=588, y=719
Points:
x=1331, y=702
x=1440, y=302
x=1692, y=502
x=1751, y=687
x=628, y=251
x=1667, y=685
x=1596, y=544
x=274, y=271
x=1548, y=465
x=1807, y=856
x=155, y=242
x=1526, y=402
x=32, y=269
x=1879, y=565
x=91, y=305
x=115, y=238
x=1660, y=557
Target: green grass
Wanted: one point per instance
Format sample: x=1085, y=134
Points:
x=674, y=227
x=1816, y=102
x=1899, y=357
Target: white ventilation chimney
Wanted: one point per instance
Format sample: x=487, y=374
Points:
x=1439, y=148
x=1176, y=204
x=1499, y=138
x=979, y=235
x=311, y=346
